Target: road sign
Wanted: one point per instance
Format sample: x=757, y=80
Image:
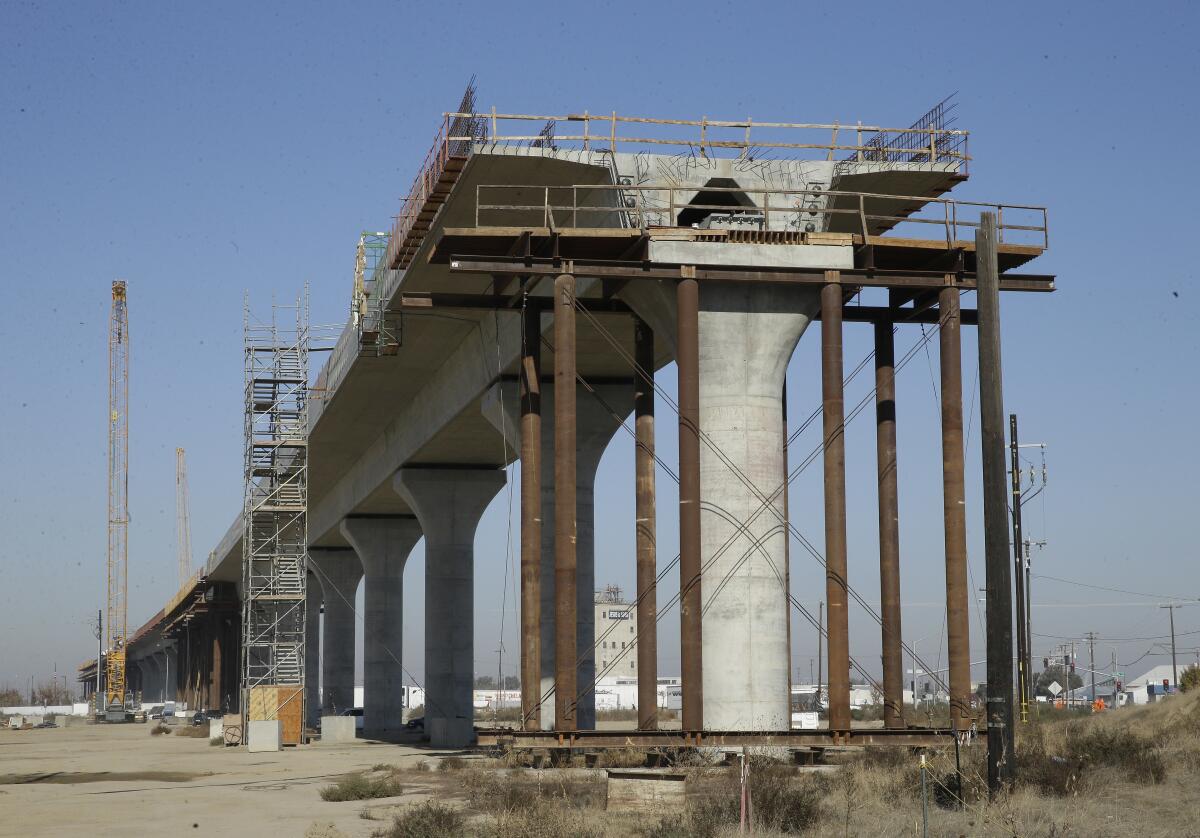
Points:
x=1054, y=689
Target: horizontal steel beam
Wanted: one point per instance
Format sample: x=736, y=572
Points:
x=856, y=277
x=491, y=302
x=589, y=739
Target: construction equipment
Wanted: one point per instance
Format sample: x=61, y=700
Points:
x=115, y=692
x=183, y=524
x=275, y=520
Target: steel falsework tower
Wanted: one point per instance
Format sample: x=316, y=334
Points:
x=118, y=505
x=275, y=519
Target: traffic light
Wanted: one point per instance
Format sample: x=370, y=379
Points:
x=1072, y=667
x=1045, y=663
x=1119, y=686
x=1166, y=685
x=1066, y=660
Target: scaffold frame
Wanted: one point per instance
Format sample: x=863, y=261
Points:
x=275, y=518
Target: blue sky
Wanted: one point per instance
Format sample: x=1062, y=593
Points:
x=199, y=150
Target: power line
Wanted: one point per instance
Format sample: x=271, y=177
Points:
x=1113, y=590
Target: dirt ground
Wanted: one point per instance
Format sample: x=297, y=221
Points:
x=120, y=780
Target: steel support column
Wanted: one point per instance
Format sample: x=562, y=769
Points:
x=687, y=295
x=833, y=420
x=565, y=653
x=1000, y=734
x=889, y=524
x=647, y=603
x=531, y=518
x=958, y=627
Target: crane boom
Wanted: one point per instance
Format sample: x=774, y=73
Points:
x=183, y=525
x=118, y=504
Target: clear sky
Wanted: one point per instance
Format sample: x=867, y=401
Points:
x=199, y=150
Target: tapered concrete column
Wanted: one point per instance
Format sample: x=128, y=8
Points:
x=747, y=336
x=312, y=650
x=595, y=425
x=339, y=572
x=449, y=502
x=144, y=676
x=171, y=674
x=382, y=545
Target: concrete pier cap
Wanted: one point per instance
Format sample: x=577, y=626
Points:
x=383, y=544
x=449, y=502
x=598, y=417
x=747, y=334
x=339, y=571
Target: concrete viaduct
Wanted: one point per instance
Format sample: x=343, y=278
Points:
x=532, y=283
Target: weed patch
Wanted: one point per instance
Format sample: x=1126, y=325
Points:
x=361, y=787
x=429, y=820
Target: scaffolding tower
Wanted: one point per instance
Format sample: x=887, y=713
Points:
x=379, y=330
x=275, y=518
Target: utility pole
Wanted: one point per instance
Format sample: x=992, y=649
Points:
x=1091, y=639
x=1174, y=666
x=1023, y=662
x=1001, y=758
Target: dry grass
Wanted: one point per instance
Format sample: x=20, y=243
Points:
x=428, y=820
x=160, y=730
x=1128, y=771
x=380, y=781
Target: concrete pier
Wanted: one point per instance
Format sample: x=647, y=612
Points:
x=449, y=502
x=746, y=337
x=340, y=572
x=746, y=340
x=383, y=545
x=595, y=426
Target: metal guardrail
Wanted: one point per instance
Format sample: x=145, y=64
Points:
x=645, y=206
x=461, y=131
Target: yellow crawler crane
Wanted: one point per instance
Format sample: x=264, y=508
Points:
x=115, y=692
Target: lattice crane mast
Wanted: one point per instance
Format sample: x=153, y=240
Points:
x=118, y=506
x=183, y=524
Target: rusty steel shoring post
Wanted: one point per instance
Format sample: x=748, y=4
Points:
x=647, y=603
x=531, y=518
x=833, y=420
x=958, y=627
x=688, y=362
x=565, y=692
x=1000, y=734
x=889, y=525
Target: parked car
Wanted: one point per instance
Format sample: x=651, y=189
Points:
x=416, y=724
x=357, y=713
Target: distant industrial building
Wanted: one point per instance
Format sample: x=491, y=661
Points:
x=616, y=636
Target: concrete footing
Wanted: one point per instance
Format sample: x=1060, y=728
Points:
x=264, y=736
x=338, y=729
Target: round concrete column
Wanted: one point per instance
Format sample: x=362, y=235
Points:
x=339, y=572
x=595, y=426
x=747, y=336
x=449, y=503
x=383, y=545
